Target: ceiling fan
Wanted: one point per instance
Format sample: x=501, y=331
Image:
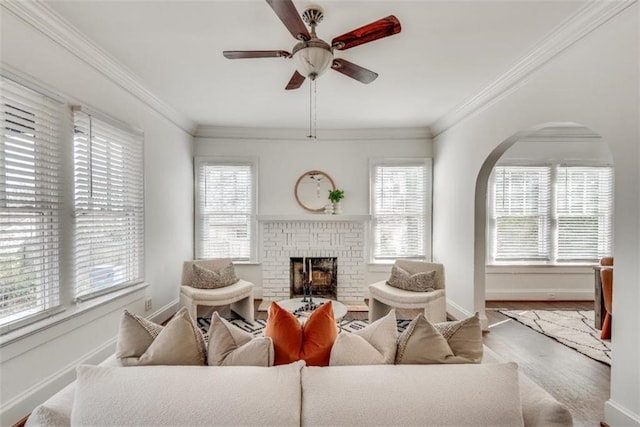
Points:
x=313, y=55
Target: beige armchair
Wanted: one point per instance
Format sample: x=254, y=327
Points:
x=382, y=297
x=239, y=295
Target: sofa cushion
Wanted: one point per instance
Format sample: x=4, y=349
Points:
x=293, y=341
x=422, y=343
x=412, y=395
x=373, y=345
x=464, y=337
x=423, y=281
x=539, y=408
x=135, y=335
x=180, y=342
x=187, y=395
x=231, y=346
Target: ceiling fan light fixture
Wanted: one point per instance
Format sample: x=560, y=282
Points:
x=312, y=58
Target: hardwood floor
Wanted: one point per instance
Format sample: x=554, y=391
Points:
x=578, y=381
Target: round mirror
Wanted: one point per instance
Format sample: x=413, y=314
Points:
x=312, y=190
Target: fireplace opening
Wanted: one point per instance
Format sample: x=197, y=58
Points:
x=324, y=276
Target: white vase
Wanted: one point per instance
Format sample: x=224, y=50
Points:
x=328, y=209
x=337, y=208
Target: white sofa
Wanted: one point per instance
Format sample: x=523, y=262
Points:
x=491, y=393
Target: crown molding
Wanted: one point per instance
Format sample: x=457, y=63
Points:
x=324, y=135
x=584, y=21
x=48, y=22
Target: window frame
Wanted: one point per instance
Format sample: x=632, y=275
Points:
x=133, y=138
x=251, y=161
x=553, y=238
x=427, y=163
x=59, y=320
x=54, y=232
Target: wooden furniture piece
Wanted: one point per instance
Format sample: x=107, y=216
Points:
x=606, y=276
x=599, y=306
x=383, y=298
x=239, y=295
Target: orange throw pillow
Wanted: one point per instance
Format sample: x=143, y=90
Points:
x=293, y=341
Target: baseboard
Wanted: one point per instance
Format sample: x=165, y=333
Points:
x=539, y=295
x=616, y=415
x=457, y=312
x=22, y=404
x=163, y=313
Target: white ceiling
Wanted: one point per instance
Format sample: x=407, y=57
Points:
x=446, y=53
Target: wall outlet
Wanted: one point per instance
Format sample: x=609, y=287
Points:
x=148, y=304
x=551, y=295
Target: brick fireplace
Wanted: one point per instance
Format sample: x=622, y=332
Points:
x=313, y=236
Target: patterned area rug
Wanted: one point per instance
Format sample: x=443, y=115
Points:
x=257, y=328
x=570, y=327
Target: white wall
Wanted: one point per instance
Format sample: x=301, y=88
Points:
x=283, y=157
x=594, y=83
x=38, y=365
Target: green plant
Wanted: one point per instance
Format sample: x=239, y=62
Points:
x=336, y=195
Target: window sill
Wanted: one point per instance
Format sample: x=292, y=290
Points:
x=539, y=269
x=66, y=315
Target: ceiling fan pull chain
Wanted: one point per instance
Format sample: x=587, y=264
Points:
x=315, y=111
x=310, y=110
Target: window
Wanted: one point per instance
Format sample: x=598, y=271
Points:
x=401, y=209
x=30, y=205
x=550, y=213
x=584, y=208
x=225, y=209
x=521, y=212
x=108, y=206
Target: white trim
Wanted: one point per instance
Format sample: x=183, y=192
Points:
x=617, y=415
x=313, y=218
x=44, y=19
x=591, y=16
x=459, y=313
x=427, y=162
x=325, y=135
x=12, y=73
x=254, y=162
x=536, y=294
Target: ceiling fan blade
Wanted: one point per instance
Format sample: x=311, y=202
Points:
x=354, y=71
x=296, y=81
x=288, y=14
x=381, y=28
x=241, y=54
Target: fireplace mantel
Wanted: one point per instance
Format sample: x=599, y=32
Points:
x=313, y=218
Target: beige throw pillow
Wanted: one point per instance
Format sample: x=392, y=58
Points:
x=135, y=335
x=231, y=346
x=373, y=345
x=419, y=282
x=180, y=342
x=424, y=343
x=204, y=278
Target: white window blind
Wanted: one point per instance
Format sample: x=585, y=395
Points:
x=109, y=206
x=400, y=192
x=522, y=213
x=225, y=209
x=30, y=205
x=584, y=208
x=551, y=214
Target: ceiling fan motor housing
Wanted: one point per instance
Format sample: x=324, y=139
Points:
x=312, y=57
